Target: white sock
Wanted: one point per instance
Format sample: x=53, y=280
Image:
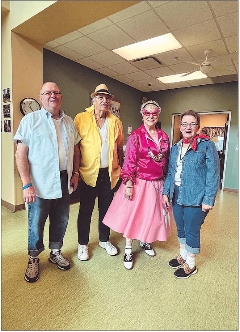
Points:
x=128, y=249
x=190, y=261
x=183, y=253
x=54, y=251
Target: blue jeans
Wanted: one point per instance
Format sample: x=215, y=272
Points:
x=58, y=212
x=88, y=196
x=189, y=220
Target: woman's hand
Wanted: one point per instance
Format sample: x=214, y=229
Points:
x=128, y=192
x=206, y=207
x=166, y=203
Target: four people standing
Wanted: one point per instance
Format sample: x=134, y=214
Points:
x=49, y=162
x=101, y=149
x=47, y=159
x=137, y=210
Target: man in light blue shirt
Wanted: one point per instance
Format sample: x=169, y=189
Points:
x=48, y=160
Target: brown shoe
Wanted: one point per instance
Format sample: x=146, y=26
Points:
x=185, y=271
x=176, y=262
x=32, y=272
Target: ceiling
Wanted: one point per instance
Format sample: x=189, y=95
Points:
x=197, y=25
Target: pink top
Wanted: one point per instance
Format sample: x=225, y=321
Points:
x=138, y=163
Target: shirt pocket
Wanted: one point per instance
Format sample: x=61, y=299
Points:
x=200, y=157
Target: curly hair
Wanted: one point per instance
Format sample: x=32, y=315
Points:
x=192, y=113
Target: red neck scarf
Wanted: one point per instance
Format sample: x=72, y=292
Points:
x=193, y=141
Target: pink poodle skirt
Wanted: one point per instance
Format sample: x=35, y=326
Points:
x=141, y=218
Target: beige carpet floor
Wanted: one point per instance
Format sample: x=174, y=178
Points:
x=101, y=294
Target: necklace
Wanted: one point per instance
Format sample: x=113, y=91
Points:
x=182, y=153
x=157, y=157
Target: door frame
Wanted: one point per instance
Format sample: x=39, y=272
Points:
x=226, y=141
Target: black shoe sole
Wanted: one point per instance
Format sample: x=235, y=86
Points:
x=174, y=267
x=186, y=276
x=31, y=280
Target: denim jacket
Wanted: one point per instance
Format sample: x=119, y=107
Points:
x=200, y=174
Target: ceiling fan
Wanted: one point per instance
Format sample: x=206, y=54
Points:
x=204, y=67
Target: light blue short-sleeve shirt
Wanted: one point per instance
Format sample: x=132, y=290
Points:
x=37, y=131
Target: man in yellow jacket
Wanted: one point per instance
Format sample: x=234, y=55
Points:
x=101, y=148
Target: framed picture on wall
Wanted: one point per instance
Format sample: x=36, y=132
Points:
x=115, y=107
x=6, y=111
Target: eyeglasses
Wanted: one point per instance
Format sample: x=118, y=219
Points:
x=148, y=114
x=192, y=124
x=49, y=93
x=104, y=97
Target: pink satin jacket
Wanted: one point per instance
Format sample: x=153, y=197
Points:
x=138, y=163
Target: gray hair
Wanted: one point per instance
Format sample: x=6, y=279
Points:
x=150, y=102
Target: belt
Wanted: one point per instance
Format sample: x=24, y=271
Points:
x=63, y=172
x=103, y=169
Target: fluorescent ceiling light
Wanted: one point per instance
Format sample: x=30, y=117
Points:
x=148, y=47
x=180, y=78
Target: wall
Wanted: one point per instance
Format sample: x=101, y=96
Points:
x=78, y=82
x=207, y=98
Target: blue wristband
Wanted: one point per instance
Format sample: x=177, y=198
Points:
x=27, y=186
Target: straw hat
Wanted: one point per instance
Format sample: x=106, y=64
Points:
x=103, y=89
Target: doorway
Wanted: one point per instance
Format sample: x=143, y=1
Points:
x=214, y=124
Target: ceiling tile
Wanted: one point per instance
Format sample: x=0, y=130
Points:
x=198, y=33
x=144, y=26
x=222, y=8
x=107, y=58
x=192, y=12
x=129, y=12
x=50, y=45
x=139, y=76
x=158, y=3
x=103, y=23
x=85, y=46
x=178, y=85
x=108, y=72
x=89, y=63
x=183, y=68
x=67, y=53
x=228, y=25
x=124, y=68
x=216, y=47
x=169, y=58
x=67, y=38
x=232, y=43
x=111, y=37
x=159, y=72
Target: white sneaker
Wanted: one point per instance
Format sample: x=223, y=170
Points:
x=148, y=249
x=111, y=250
x=128, y=261
x=83, y=252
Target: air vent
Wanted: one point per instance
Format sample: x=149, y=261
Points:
x=149, y=62
x=224, y=78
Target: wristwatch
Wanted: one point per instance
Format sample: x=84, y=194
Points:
x=28, y=105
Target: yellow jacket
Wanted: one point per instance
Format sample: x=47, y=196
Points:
x=90, y=146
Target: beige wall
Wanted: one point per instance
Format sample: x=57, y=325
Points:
x=26, y=26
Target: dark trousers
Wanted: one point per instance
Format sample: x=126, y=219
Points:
x=88, y=196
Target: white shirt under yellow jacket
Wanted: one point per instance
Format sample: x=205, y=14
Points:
x=90, y=146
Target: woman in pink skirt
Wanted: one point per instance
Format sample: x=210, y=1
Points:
x=137, y=210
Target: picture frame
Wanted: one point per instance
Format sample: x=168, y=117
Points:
x=115, y=107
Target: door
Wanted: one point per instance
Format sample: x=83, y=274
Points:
x=216, y=125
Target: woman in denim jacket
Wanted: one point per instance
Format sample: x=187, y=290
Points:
x=191, y=187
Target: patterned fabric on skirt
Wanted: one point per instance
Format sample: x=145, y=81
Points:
x=141, y=218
